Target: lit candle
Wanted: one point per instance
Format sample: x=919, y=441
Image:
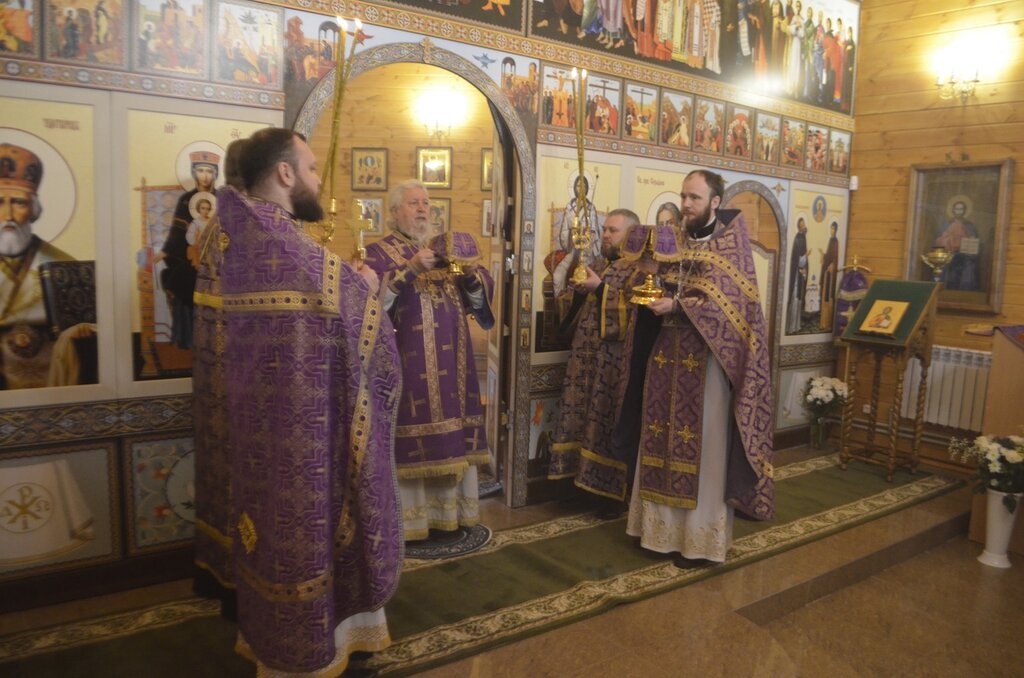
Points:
x=339, y=57
x=583, y=97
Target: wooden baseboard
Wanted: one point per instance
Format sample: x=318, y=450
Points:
x=60, y=587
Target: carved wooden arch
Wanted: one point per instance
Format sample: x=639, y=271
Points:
x=778, y=270
x=426, y=52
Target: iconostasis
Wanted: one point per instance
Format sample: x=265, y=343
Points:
x=115, y=116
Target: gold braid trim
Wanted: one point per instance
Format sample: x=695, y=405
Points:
x=715, y=259
x=603, y=461
x=213, y=533
x=730, y=311
x=292, y=592
x=659, y=498
x=562, y=448
x=682, y=467
x=433, y=428
x=207, y=299
x=478, y=458
x=600, y=493
x=362, y=419
x=452, y=468
x=281, y=300
x=623, y=317
x=603, y=327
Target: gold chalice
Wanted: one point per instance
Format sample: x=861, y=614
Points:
x=937, y=258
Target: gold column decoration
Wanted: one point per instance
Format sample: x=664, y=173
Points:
x=342, y=69
x=581, y=228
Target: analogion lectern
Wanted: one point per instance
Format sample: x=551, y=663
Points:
x=894, y=323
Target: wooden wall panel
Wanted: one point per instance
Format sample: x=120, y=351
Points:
x=900, y=121
x=378, y=112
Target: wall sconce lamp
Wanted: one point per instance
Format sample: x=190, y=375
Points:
x=957, y=84
x=439, y=111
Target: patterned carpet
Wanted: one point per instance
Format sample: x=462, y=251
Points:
x=466, y=540
x=520, y=582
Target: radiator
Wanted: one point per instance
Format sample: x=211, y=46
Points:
x=957, y=384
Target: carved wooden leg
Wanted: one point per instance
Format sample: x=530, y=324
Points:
x=894, y=416
x=875, y=389
x=922, y=395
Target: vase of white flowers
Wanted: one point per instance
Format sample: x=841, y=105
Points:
x=823, y=397
x=1000, y=465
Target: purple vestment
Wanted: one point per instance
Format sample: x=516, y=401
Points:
x=852, y=291
x=312, y=382
x=440, y=417
x=721, y=315
x=214, y=530
x=581, y=447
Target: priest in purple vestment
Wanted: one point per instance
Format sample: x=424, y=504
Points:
x=601, y=311
x=214, y=532
x=705, y=440
x=312, y=383
x=440, y=439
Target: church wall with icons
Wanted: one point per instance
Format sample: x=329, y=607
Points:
x=159, y=471
x=48, y=286
x=814, y=254
x=543, y=420
x=170, y=197
x=59, y=509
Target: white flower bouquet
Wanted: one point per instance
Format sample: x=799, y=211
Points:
x=824, y=396
x=1000, y=461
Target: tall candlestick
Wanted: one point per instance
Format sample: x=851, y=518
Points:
x=342, y=70
x=581, y=235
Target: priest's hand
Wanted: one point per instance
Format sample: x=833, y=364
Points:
x=423, y=261
x=662, y=306
x=592, y=282
x=369, y=275
x=469, y=280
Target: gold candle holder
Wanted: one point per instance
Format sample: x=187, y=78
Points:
x=342, y=70
x=581, y=227
x=647, y=292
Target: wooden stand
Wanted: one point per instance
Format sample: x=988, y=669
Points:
x=912, y=341
x=1003, y=403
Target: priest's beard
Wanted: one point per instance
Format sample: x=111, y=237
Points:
x=609, y=251
x=14, y=238
x=305, y=205
x=421, y=231
x=698, y=221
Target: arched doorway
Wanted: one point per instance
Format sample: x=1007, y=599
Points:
x=515, y=183
x=766, y=226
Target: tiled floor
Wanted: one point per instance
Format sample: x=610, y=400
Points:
x=902, y=595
